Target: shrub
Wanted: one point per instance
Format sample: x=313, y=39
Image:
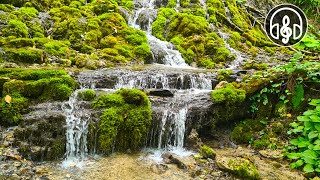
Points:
x=304, y=145
x=224, y=74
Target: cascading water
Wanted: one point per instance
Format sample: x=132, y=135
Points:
x=236, y=63
x=77, y=120
x=170, y=113
x=169, y=56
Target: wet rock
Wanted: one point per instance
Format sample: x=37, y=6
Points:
x=159, y=168
x=271, y=154
x=124, y=13
x=239, y=166
x=161, y=3
x=173, y=159
x=146, y=17
x=161, y=93
x=193, y=140
x=221, y=84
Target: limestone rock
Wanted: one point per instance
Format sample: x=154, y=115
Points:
x=193, y=140
x=239, y=166
x=172, y=159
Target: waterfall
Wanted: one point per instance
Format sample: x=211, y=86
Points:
x=236, y=63
x=171, y=56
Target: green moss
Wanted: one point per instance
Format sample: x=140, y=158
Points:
x=253, y=65
x=10, y=113
x=228, y=95
x=57, y=48
x=26, y=13
x=244, y=168
x=224, y=74
x=25, y=55
x=207, y=63
x=143, y=51
x=184, y=3
x=22, y=42
x=15, y=28
x=172, y=3
x=39, y=85
x=6, y=7
x=125, y=121
x=207, y=152
x=187, y=25
x=87, y=95
x=222, y=55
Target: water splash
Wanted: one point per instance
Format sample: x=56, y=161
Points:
x=170, y=56
x=239, y=60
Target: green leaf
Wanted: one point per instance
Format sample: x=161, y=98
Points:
x=315, y=118
x=303, y=118
x=309, y=113
x=309, y=154
x=312, y=135
x=316, y=147
x=315, y=102
x=308, y=168
x=303, y=144
x=307, y=125
x=293, y=155
x=294, y=142
x=317, y=126
x=299, y=163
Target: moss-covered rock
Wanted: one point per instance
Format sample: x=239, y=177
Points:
x=239, y=166
x=87, y=95
x=207, y=152
x=125, y=121
x=228, y=95
x=27, y=85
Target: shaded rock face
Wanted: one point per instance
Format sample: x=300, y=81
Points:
x=42, y=135
x=161, y=3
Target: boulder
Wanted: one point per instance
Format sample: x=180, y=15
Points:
x=239, y=166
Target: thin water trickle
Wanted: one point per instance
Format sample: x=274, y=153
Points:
x=237, y=62
x=172, y=57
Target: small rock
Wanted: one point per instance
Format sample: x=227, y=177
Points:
x=68, y=176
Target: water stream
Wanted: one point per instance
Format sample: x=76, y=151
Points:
x=169, y=56
x=191, y=93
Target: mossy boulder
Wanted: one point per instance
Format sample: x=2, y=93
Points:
x=207, y=152
x=125, y=120
x=87, y=95
x=238, y=166
x=27, y=85
x=228, y=95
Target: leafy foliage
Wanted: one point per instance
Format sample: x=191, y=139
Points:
x=304, y=150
